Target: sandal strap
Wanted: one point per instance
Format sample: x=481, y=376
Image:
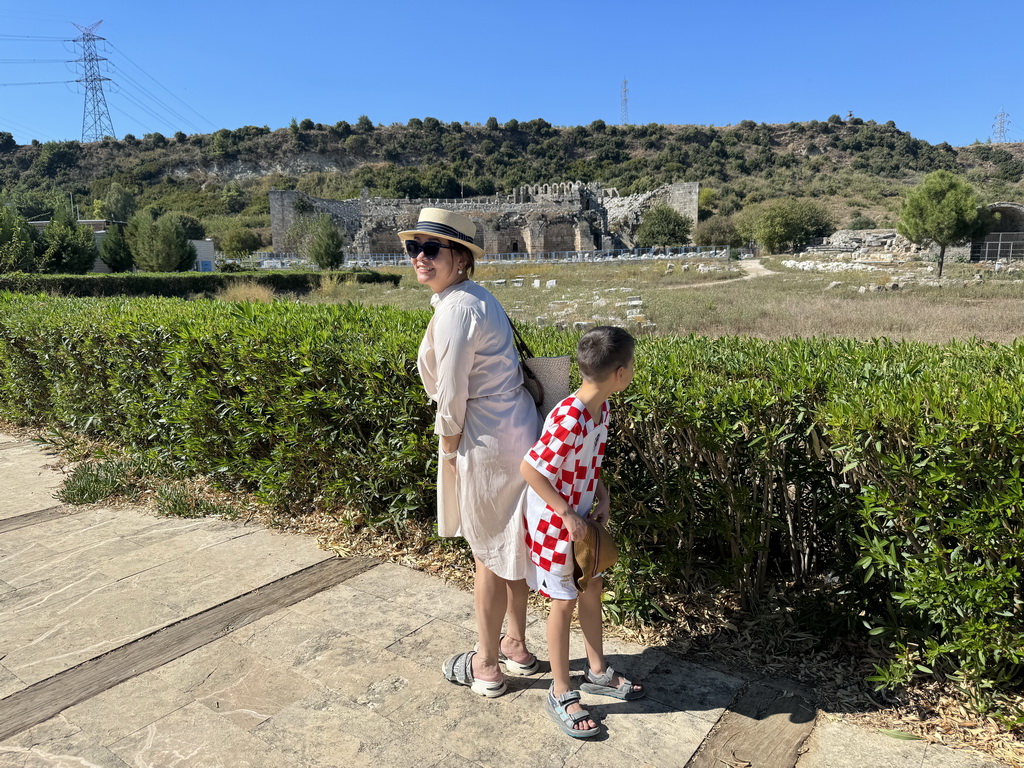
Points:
x=567, y=698
x=605, y=678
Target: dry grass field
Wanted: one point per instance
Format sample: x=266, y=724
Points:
x=765, y=299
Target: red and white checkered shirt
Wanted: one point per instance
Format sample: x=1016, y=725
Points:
x=568, y=453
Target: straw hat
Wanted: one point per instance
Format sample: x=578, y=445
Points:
x=446, y=224
x=594, y=554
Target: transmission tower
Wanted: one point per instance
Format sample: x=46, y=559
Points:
x=1000, y=125
x=96, y=118
x=625, y=102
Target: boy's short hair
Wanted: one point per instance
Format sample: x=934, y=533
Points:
x=603, y=350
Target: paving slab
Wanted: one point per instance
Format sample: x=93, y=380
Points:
x=835, y=744
x=28, y=478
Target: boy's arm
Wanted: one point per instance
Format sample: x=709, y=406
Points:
x=602, y=504
x=542, y=487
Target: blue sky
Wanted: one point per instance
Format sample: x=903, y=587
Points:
x=199, y=66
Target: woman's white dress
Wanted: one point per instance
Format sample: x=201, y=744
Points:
x=470, y=368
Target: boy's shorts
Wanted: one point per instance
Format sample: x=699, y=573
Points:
x=558, y=583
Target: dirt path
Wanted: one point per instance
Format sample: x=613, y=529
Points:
x=752, y=268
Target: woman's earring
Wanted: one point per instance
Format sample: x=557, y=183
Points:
x=460, y=271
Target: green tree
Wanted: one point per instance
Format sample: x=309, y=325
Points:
x=239, y=242
x=7, y=142
x=326, y=244
x=785, y=223
x=943, y=209
x=118, y=203
x=17, y=242
x=66, y=247
x=160, y=245
x=115, y=251
x=190, y=225
x=661, y=225
x=718, y=230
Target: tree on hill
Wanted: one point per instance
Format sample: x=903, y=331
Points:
x=943, y=209
x=115, y=251
x=661, y=225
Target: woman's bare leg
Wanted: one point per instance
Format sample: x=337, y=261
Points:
x=490, y=597
x=514, y=646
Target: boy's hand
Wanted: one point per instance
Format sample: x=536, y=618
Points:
x=575, y=525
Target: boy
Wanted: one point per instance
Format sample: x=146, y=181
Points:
x=563, y=471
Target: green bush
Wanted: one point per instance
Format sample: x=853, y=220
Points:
x=176, y=284
x=878, y=483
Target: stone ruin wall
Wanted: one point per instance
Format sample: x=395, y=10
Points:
x=538, y=218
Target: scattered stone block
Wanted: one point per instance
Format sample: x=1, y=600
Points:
x=551, y=284
x=833, y=284
x=536, y=283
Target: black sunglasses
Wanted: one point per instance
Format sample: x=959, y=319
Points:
x=429, y=249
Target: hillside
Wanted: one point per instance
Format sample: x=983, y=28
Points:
x=855, y=167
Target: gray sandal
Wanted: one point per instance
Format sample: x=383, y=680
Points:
x=602, y=685
x=556, y=711
x=459, y=669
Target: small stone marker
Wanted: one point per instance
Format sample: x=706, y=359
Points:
x=536, y=283
x=551, y=284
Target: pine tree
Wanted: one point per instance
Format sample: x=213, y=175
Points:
x=943, y=209
x=67, y=247
x=115, y=251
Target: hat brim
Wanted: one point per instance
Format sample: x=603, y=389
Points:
x=408, y=234
x=594, y=554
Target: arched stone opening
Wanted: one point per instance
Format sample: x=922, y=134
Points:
x=1006, y=239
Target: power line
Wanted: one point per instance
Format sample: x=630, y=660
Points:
x=34, y=38
x=44, y=82
x=174, y=96
x=145, y=92
x=96, y=121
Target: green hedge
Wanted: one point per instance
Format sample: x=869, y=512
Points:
x=879, y=483
x=177, y=284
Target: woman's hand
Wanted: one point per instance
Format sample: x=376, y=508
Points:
x=601, y=511
x=602, y=508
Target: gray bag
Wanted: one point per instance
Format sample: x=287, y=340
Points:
x=545, y=378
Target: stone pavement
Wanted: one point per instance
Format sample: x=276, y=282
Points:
x=132, y=640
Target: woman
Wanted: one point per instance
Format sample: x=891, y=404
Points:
x=486, y=422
